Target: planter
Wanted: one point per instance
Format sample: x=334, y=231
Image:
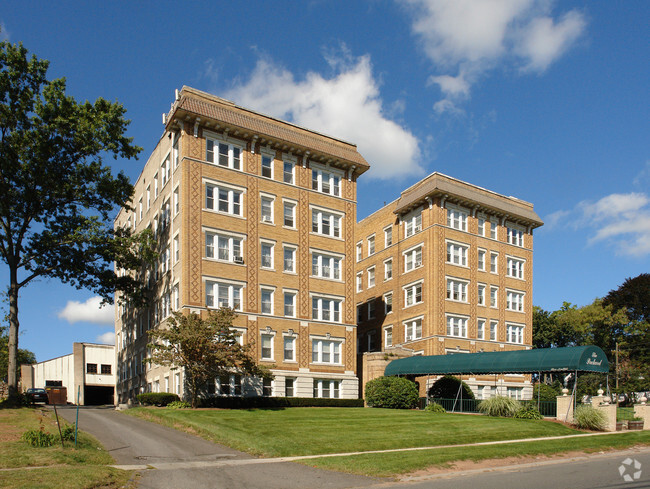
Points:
x=620, y=425
x=635, y=425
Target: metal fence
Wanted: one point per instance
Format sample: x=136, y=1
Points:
x=547, y=408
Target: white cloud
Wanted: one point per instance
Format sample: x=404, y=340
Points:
x=107, y=338
x=90, y=311
x=466, y=38
x=347, y=106
x=643, y=177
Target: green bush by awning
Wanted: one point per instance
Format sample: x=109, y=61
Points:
x=568, y=359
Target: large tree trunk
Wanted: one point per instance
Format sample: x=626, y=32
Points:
x=13, y=333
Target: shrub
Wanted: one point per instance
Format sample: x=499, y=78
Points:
x=392, y=392
x=39, y=438
x=179, y=405
x=434, y=407
x=156, y=398
x=501, y=406
x=590, y=418
x=67, y=432
x=546, y=392
x=528, y=411
x=447, y=388
x=276, y=402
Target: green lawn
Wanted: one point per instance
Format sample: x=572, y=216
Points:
x=84, y=467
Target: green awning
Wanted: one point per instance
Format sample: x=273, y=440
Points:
x=568, y=359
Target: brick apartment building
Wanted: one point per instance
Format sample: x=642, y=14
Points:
x=259, y=215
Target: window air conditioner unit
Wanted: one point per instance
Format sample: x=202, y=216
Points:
x=266, y=219
x=418, y=264
x=239, y=259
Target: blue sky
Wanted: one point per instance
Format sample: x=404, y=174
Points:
x=545, y=101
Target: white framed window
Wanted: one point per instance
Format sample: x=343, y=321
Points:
x=155, y=186
x=494, y=226
x=289, y=214
x=457, y=253
x=148, y=196
x=515, y=333
x=481, y=225
x=515, y=267
x=481, y=260
x=267, y=209
x=223, y=294
x=326, y=351
x=493, y=330
x=457, y=290
x=515, y=235
x=388, y=236
x=480, y=329
x=388, y=303
x=388, y=336
x=371, y=309
x=326, y=223
x=413, y=329
x=266, y=248
x=457, y=326
x=325, y=266
x=140, y=209
x=359, y=281
x=223, y=199
x=290, y=303
x=289, y=386
x=266, y=299
x=413, y=294
x=176, y=201
x=288, y=171
x=327, y=182
x=177, y=251
x=326, y=389
x=164, y=172
x=481, y=295
x=371, y=277
x=494, y=296
x=229, y=385
x=413, y=258
x=412, y=223
x=267, y=387
x=494, y=262
x=165, y=260
x=514, y=300
x=225, y=247
x=266, y=346
x=456, y=217
x=359, y=252
x=289, y=259
x=371, y=245
x=388, y=269
x=267, y=165
x=176, y=155
x=326, y=309
x=515, y=392
x=223, y=153
x=289, y=348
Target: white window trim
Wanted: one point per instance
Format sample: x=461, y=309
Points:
x=407, y=325
x=221, y=232
x=519, y=326
x=496, y=296
x=485, y=219
x=271, y=243
x=224, y=281
x=359, y=282
x=372, y=239
x=386, y=262
x=332, y=172
x=462, y=211
x=411, y=219
x=478, y=296
x=496, y=262
x=457, y=316
x=325, y=210
x=293, y=292
x=460, y=281
x=523, y=298
x=413, y=250
x=386, y=229
x=460, y=245
x=322, y=256
x=230, y=141
x=523, y=267
x=486, y=332
x=271, y=333
x=385, y=302
x=268, y=154
x=218, y=184
x=293, y=161
x=271, y=289
x=485, y=255
x=359, y=251
x=322, y=339
x=293, y=248
x=271, y=218
x=496, y=329
x=372, y=270
x=294, y=339
x=295, y=213
x=406, y=288
x=386, y=329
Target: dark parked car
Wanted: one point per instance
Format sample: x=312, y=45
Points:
x=37, y=395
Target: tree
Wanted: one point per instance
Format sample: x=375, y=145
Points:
x=448, y=387
x=56, y=195
x=204, y=348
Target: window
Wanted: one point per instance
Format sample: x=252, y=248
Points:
x=326, y=223
x=267, y=166
x=360, y=312
x=515, y=236
x=515, y=268
x=140, y=209
x=388, y=269
x=177, y=251
x=177, y=298
x=494, y=291
x=388, y=237
x=266, y=296
x=326, y=309
x=494, y=223
x=223, y=154
x=289, y=387
x=326, y=266
x=290, y=214
x=481, y=294
x=413, y=224
x=371, y=277
x=457, y=326
x=290, y=304
x=359, y=281
x=457, y=218
x=371, y=309
x=493, y=330
x=267, y=346
x=267, y=254
x=481, y=260
x=267, y=209
x=155, y=186
x=413, y=329
x=456, y=290
x=288, y=172
x=457, y=254
x=91, y=368
x=481, y=226
x=289, y=259
x=413, y=259
x=229, y=385
x=371, y=245
x=220, y=294
x=494, y=262
x=388, y=303
x=515, y=392
x=326, y=351
x=515, y=301
x=412, y=294
x=388, y=336
x=289, y=348
x=328, y=389
x=223, y=199
x=359, y=251
x=515, y=334
x=326, y=182
x=177, y=204
x=267, y=387
x=164, y=172
x=480, y=329
x=148, y=196
x=106, y=369
x=175, y=153
x=165, y=256
x=223, y=247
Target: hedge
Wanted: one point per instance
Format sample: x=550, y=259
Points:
x=276, y=402
x=156, y=398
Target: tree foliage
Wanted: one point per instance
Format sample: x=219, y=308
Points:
x=205, y=348
x=57, y=196
x=447, y=388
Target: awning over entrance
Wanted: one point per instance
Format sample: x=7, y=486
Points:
x=568, y=359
